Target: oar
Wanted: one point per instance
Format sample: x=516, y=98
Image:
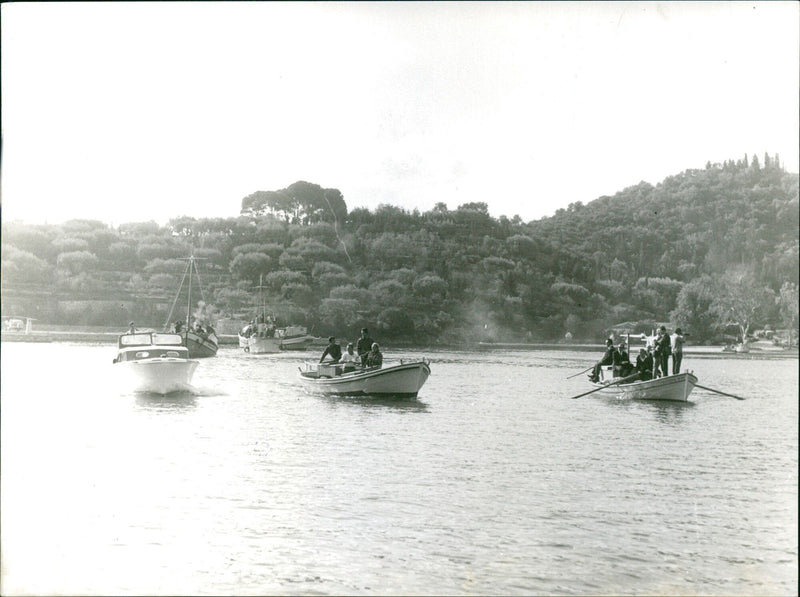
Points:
x=577, y=374
x=608, y=385
x=697, y=385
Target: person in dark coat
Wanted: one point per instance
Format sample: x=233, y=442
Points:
x=333, y=350
x=644, y=365
x=661, y=353
x=622, y=362
x=608, y=359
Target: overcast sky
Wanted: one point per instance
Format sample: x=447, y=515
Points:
x=125, y=112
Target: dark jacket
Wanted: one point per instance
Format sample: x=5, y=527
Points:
x=644, y=365
x=608, y=357
x=662, y=346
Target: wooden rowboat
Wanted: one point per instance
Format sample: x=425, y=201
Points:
x=403, y=380
x=672, y=387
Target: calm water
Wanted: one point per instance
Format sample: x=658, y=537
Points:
x=492, y=481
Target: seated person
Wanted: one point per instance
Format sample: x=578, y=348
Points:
x=622, y=363
x=374, y=356
x=608, y=359
x=350, y=359
x=333, y=350
x=644, y=365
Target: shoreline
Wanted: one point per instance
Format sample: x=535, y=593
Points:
x=110, y=337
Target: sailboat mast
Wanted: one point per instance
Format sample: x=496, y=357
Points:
x=189, y=300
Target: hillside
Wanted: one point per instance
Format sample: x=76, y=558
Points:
x=704, y=249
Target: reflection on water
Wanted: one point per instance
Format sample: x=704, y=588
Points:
x=176, y=401
x=399, y=403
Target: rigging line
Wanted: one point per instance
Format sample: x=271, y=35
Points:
x=336, y=227
x=177, y=296
x=199, y=282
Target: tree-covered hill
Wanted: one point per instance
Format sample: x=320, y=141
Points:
x=704, y=249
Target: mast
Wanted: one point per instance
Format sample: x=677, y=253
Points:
x=189, y=299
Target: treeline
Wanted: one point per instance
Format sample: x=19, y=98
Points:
x=705, y=249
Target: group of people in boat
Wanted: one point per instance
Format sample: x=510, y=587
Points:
x=364, y=354
x=651, y=362
x=262, y=326
x=195, y=325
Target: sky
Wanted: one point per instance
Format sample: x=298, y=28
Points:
x=130, y=112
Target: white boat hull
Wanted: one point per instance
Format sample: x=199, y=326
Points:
x=296, y=343
x=672, y=387
x=259, y=344
x=159, y=376
x=405, y=380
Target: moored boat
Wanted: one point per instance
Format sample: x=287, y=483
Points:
x=672, y=387
x=262, y=335
x=403, y=380
x=155, y=362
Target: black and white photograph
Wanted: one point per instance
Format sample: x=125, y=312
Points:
x=399, y=298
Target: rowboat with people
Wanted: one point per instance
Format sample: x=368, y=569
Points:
x=671, y=387
x=154, y=362
x=403, y=380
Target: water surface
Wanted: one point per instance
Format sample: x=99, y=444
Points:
x=492, y=482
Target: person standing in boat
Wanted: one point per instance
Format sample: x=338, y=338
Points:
x=131, y=328
x=333, y=350
x=364, y=345
x=661, y=353
x=608, y=359
x=677, y=351
x=375, y=357
x=644, y=365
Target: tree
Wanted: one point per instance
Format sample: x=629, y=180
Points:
x=788, y=304
x=250, y=266
x=693, y=307
x=77, y=262
x=741, y=301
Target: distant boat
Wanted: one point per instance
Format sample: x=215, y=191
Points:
x=263, y=336
x=403, y=380
x=155, y=362
x=198, y=336
x=20, y=329
x=671, y=387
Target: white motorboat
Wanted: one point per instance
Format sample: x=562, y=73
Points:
x=403, y=380
x=672, y=387
x=155, y=362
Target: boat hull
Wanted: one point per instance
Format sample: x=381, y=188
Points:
x=201, y=346
x=404, y=380
x=259, y=344
x=297, y=343
x=672, y=388
x=159, y=375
